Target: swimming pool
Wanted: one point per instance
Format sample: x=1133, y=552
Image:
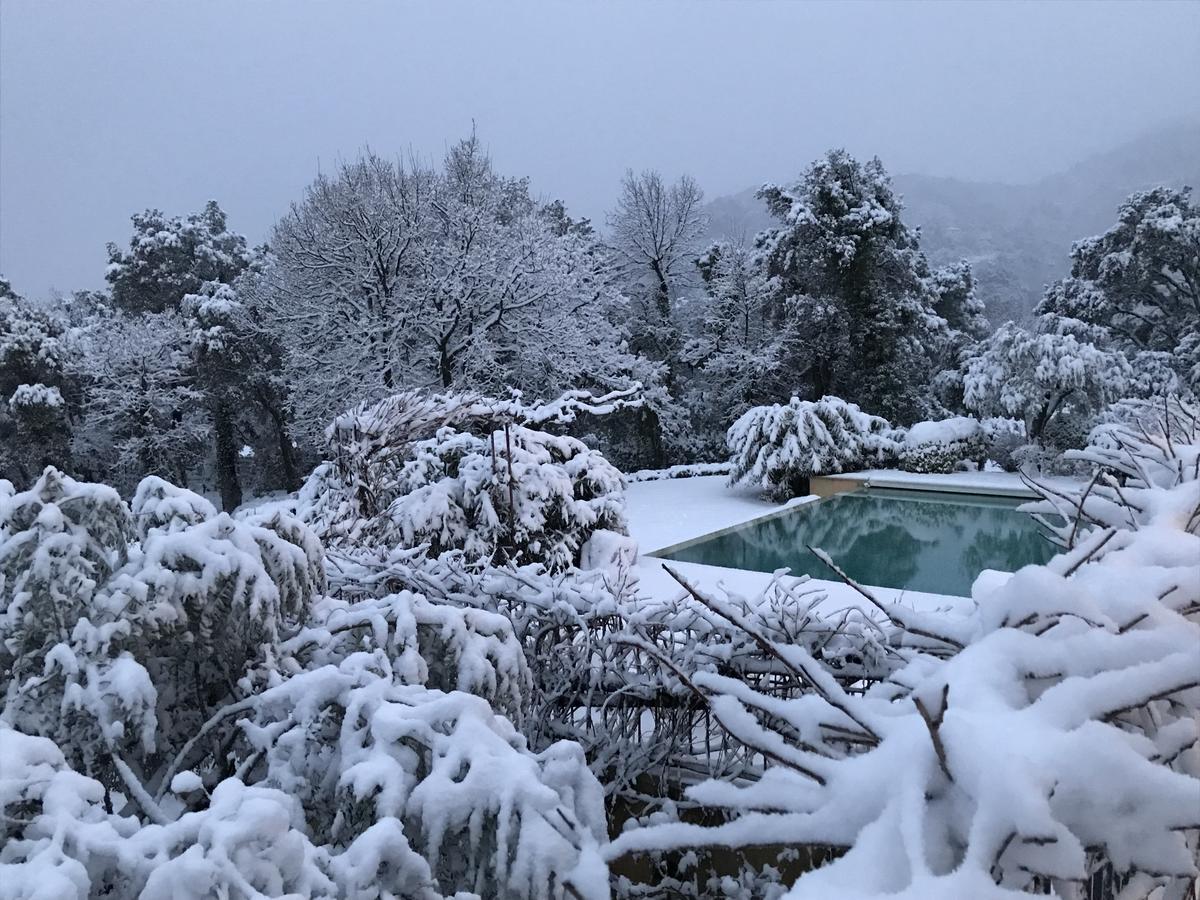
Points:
x=914, y=540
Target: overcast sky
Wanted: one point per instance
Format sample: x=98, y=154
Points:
x=107, y=108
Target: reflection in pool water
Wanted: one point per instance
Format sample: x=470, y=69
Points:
x=916, y=540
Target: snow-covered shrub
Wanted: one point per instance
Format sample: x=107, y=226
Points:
x=187, y=715
x=118, y=649
x=469, y=473
x=942, y=446
x=781, y=446
x=158, y=505
x=686, y=470
x=1028, y=745
x=1002, y=436
x=514, y=494
x=248, y=841
x=59, y=541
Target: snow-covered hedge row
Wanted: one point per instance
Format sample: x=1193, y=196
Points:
x=781, y=446
x=686, y=470
x=942, y=446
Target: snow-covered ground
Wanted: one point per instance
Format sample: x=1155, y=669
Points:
x=669, y=512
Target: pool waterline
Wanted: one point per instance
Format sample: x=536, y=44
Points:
x=917, y=540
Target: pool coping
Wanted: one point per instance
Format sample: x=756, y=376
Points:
x=950, y=483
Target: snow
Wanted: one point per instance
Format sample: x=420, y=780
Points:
x=669, y=511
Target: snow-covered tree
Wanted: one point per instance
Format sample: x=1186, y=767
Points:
x=957, y=302
x=143, y=414
x=851, y=286
x=780, y=447
x=1138, y=284
x=1041, y=375
x=170, y=257
x=736, y=354
x=35, y=389
x=393, y=275
x=655, y=231
x=238, y=365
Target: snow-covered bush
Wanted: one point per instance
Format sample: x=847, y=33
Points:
x=515, y=494
x=1002, y=436
x=781, y=446
x=469, y=473
x=118, y=649
x=186, y=714
x=1042, y=739
x=942, y=446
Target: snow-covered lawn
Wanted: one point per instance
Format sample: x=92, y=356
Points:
x=669, y=512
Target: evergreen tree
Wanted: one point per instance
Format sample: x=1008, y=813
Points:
x=169, y=257
x=1138, y=284
x=35, y=394
x=851, y=286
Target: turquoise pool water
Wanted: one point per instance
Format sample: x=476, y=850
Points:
x=915, y=540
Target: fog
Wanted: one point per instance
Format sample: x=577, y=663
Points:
x=110, y=108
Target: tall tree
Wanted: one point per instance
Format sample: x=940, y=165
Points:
x=35, y=416
x=177, y=276
x=851, y=286
x=735, y=356
x=170, y=257
x=392, y=275
x=656, y=227
x=1139, y=282
x=655, y=231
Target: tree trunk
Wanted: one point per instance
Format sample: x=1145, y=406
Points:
x=445, y=367
x=227, y=455
x=652, y=432
x=663, y=294
x=289, y=475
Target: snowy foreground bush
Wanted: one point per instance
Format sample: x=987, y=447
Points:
x=187, y=714
x=1045, y=742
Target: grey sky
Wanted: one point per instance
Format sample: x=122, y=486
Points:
x=107, y=108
